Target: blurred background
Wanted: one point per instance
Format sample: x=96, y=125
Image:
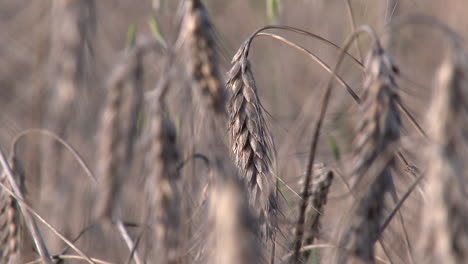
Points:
x=41, y=87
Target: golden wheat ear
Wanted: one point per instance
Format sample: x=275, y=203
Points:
x=251, y=140
x=444, y=235
x=200, y=51
x=377, y=133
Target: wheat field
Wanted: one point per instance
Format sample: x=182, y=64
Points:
x=248, y=131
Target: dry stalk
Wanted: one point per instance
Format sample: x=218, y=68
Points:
x=235, y=228
x=118, y=129
x=377, y=132
x=202, y=59
x=444, y=234
x=162, y=182
x=321, y=183
x=251, y=138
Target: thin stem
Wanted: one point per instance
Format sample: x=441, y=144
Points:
x=399, y=204
x=305, y=33
x=316, y=59
x=74, y=152
x=353, y=27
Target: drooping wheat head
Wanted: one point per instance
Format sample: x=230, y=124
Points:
x=118, y=129
x=251, y=141
x=444, y=237
x=378, y=131
x=197, y=36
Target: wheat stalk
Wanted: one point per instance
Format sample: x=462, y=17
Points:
x=251, y=140
x=201, y=55
x=377, y=132
x=445, y=229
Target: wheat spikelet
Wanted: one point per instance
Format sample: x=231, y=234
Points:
x=202, y=60
x=251, y=139
x=118, y=129
x=235, y=227
x=162, y=182
x=445, y=228
x=377, y=132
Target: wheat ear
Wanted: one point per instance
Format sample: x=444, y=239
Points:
x=377, y=133
x=9, y=226
x=445, y=228
x=162, y=187
x=250, y=136
x=321, y=182
x=198, y=38
x=118, y=129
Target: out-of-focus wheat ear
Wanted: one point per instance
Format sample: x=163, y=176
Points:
x=118, y=129
x=323, y=178
x=235, y=227
x=251, y=140
x=73, y=27
x=162, y=182
x=444, y=233
x=9, y=226
x=198, y=40
x=377, y=134
x=12, y=214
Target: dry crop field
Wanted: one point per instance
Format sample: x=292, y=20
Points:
x=246, y=131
